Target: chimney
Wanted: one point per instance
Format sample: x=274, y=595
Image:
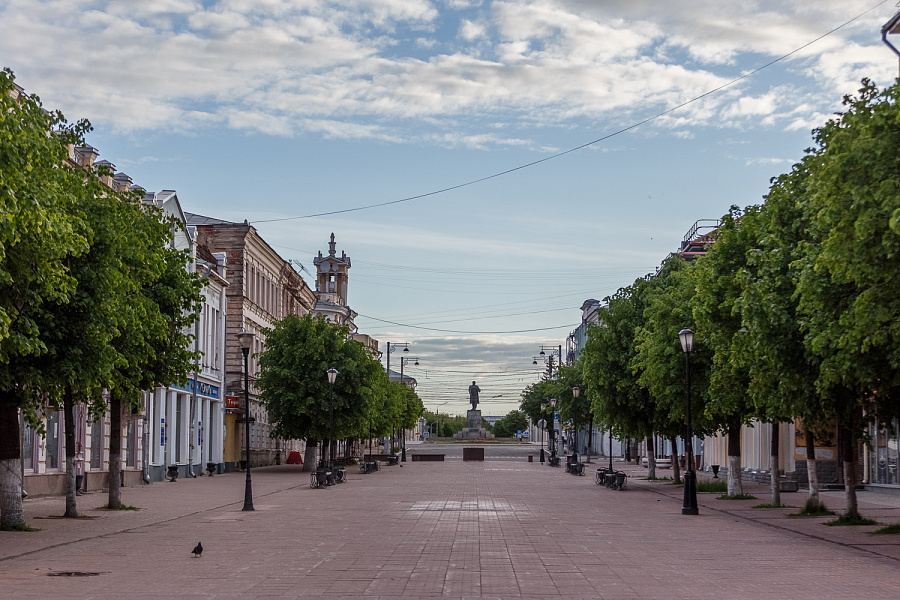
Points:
x=86, y=155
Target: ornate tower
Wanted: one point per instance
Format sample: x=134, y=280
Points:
x=331, y=285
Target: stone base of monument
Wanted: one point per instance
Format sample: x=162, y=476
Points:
x=473, y=429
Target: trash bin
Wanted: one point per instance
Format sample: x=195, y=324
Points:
x=531, y=458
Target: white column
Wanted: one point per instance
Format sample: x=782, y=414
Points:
x=160, y=427
x=171, y=399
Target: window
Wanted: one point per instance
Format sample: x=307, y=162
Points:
x=52, y=441
x=131, y=444
x=97, y=444
x=28, y=448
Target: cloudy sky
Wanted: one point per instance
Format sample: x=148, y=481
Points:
x=276, y=110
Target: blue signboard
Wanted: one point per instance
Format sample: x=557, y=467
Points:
x=203, y=388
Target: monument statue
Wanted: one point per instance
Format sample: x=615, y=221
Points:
x=473, y=395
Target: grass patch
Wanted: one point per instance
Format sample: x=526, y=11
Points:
x=850, y=520
x=738, y=497
x=813, y=508
x=712, y=486
x=21, y=527
x=889, y=530
x=771, y=506
x=121, y=507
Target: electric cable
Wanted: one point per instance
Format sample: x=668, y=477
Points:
x=582, y=146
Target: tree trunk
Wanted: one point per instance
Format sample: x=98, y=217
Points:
x=115, y=452
x=812, y=473
x=309, y=456
x=847, y=444
x=11, y=512
x=773, y=467
x=676, y=466
x=69, y=418
x=651, y=458
x=735, y=487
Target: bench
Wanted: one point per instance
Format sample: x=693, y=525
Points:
x=385, y=458
x=427, y=457
x=576, y=468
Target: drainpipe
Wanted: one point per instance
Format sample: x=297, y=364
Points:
x=891, y=27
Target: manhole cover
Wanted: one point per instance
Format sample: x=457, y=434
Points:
x=75, y=573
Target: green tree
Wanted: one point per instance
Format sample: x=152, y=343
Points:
x=660, y=362
x=718, y=284
x=152, y=340
x=782, y=371
x=294, y=386
x=510, y=424
x=44, y=228
x=610, y=373
x=849, y=275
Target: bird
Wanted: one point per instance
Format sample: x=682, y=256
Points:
x=198, y=550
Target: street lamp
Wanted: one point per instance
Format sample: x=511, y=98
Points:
x=543, y=428
x=403, y=361
x=332, y=375
x=689, y=506
x=405, y=347
x=552, y=435
x=246, y=340
x=576, y=392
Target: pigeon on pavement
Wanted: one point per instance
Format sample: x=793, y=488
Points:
x=198, y=550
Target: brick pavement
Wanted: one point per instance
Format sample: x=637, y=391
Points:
x=498, y=529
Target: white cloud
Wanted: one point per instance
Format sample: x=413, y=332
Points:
x=470, y=30
x=335, y=66
x=770, y=161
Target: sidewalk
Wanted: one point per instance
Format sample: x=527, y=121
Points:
x=454, y=530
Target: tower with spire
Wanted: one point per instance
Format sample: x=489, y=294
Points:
x=332, y=273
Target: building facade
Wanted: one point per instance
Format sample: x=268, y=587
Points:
x=262, y=289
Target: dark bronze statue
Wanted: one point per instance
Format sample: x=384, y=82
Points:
x=473, y=395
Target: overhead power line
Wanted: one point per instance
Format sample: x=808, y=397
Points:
x=476, y=332
x=582, y=146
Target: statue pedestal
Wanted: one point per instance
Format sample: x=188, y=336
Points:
x=473, y=430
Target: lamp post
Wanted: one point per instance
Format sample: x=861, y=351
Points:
x=689, y=506
x=403, y=361
x=246, y=339
x=610, y=447
x=405, y=347
x=543, y=425
x=552, y=435
x=576, y=392
x=332, y=375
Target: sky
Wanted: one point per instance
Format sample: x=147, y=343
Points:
x=526, y=155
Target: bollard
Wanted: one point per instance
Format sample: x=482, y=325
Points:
x=531, y=458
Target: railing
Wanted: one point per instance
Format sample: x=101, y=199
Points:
x=699, y=226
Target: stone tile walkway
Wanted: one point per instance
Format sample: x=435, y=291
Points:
x=498, y=529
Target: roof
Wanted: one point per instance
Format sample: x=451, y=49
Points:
x=195, y=219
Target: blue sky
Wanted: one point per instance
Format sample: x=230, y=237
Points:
x=271, y=109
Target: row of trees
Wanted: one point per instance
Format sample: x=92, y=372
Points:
x=93, y=298
x=794, y=307
x=294, y=386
